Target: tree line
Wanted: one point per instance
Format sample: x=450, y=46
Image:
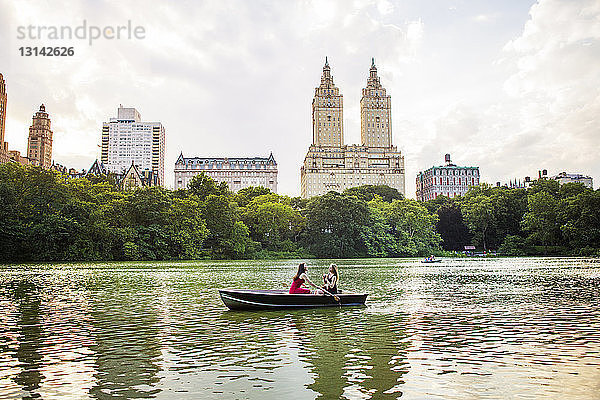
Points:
x=47, y=216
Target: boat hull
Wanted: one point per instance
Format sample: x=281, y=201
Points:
x=240, y=299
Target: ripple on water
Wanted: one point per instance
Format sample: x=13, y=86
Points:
x=471, y=328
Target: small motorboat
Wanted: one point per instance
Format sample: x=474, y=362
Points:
x=246, y=299
x=436, y=260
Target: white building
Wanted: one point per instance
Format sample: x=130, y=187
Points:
x=127, y=139
x=448, y=180
x=332, y=165
x=563, y=178
x=238, y=173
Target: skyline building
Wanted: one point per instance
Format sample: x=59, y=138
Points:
x=565, y=177
x=128, y=140
x=39, y=142
x=448, y=180
x=3, y=99
x=238, y=173
x=328, y=112
x=4, y=155
x=375, y=113
x=332, y=165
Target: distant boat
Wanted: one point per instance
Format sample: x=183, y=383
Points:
x=436, y=260
x=246, y=299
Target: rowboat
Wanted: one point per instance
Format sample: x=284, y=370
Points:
x=437, y=260
x=246, y=299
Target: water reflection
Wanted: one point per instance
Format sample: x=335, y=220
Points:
x=127, y=338
x=486, y=328
x=26, y=297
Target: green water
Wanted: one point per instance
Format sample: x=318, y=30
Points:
x=461, y=329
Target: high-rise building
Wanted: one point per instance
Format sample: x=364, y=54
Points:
x=238, y=173
x=328, y=112
x=2, y=109
x=375, y=113
x=39, y=143
x=127, y=139
x=332, y=165
x=448, y=180
x=4, y=155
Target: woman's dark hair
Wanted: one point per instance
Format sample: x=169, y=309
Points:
x=335, y=270
x=301, y=270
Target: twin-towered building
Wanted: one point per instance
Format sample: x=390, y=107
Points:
x=331, y=165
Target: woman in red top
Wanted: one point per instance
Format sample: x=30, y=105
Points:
x=299, y=280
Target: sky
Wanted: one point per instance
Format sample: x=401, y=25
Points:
x=512, y=87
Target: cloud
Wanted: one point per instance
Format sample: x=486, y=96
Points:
x=547, y=113
x=225, y=78
x=556, y=85
x=232, y=78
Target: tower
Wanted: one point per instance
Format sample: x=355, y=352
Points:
x=127, y=139
x=327, y=112
x=39, y=143
x=2, y=111
x=375, y=113
x=331, y=165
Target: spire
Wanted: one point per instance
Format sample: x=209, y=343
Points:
x=43, y=108
x=326, y=78
x=373, y=70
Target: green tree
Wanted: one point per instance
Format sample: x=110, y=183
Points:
x=541, y=219
x=246, y=195
x=335, y=224
x=579, y=219
x=478, y=212
x=410, y=224
x=272, y=222
x=368, y=192
x=451, y=227
x=203, y=186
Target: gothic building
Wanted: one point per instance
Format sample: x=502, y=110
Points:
x=39, y=143
x=331, y=165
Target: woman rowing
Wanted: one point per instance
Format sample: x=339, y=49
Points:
x=300, y=278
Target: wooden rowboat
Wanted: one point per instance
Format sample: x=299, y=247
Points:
x=245, y=299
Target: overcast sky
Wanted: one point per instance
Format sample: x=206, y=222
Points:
x=510, y=86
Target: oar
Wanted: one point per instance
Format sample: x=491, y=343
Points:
x=336, y=298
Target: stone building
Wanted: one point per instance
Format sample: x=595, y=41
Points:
x=39, y=143
x=332, y=165
x=448, y=180
x=127, y=139
x=238, y=173
x=4, y=156
x=564, y=177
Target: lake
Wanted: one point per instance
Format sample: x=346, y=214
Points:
x=460, y=329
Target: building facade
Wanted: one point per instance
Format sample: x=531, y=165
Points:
x=7, y=155
x=330, y=165
x=127, y=139
x=448, y=180
x=564, y=177
x=4, y=155
x=238, y=173
x=39, y=142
